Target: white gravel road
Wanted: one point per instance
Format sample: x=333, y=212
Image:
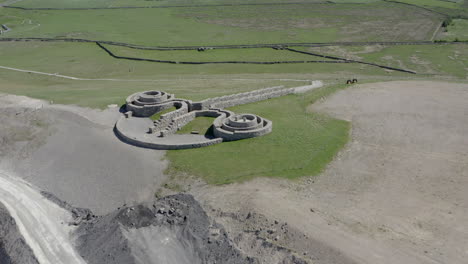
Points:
x=42, y=223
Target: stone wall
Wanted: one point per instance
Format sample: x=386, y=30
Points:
x=245, y=94
x=214, y=112
x=160, y=144
x=264, y=127
x=182, y=108
x=4, y=29
x=226, y=127
x=238, y=135
x=245, y=98
x=148, y=110
x=146, y=107
x=170, y=122
x=252, y=99
x=240, y=95
x=177, y=123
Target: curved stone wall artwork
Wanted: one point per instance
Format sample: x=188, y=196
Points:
x=136, y=128
x=241, y=126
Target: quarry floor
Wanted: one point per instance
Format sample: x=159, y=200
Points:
x=395, y=194
x=73, y=153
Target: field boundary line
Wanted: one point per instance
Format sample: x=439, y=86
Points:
x=214, y=62
x=239, y=46
x=351, y=61
x=418, y=6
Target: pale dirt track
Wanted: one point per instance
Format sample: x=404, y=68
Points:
x=43, y=224
x=57, y=75
x=395, y=194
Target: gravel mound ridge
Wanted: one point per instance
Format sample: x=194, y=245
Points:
x=103, y=239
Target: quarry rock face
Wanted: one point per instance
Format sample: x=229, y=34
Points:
x=174, y=229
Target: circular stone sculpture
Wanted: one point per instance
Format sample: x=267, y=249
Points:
x=240, y=126
x=145, y=104
x=151, y=97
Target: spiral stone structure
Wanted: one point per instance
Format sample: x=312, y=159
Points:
x=145, y=104
x=241, y=126
x=136, y=128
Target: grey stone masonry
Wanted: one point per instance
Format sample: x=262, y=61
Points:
x=241, y=126
x=4, y=29
x=133, y=126
x=245, y=98
x=148, y=103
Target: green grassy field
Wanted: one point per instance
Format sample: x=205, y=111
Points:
x=301, y=144
x=157, y=116
x=325, y=22
x=201, y=81
x=100, y=94
x=233, y=25
x=201, y=124
x=438, y=60
x=117, y=3
x=258, y=54
x=88, y=61
x=457, y=30
x=434, y=3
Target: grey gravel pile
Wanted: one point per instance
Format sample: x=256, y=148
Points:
x=102, y=239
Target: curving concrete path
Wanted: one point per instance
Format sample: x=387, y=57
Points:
x=42, y=223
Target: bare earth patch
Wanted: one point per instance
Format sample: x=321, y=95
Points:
x=73, y=153
x=395, y=194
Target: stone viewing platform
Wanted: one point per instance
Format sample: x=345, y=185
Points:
x=135, y=126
